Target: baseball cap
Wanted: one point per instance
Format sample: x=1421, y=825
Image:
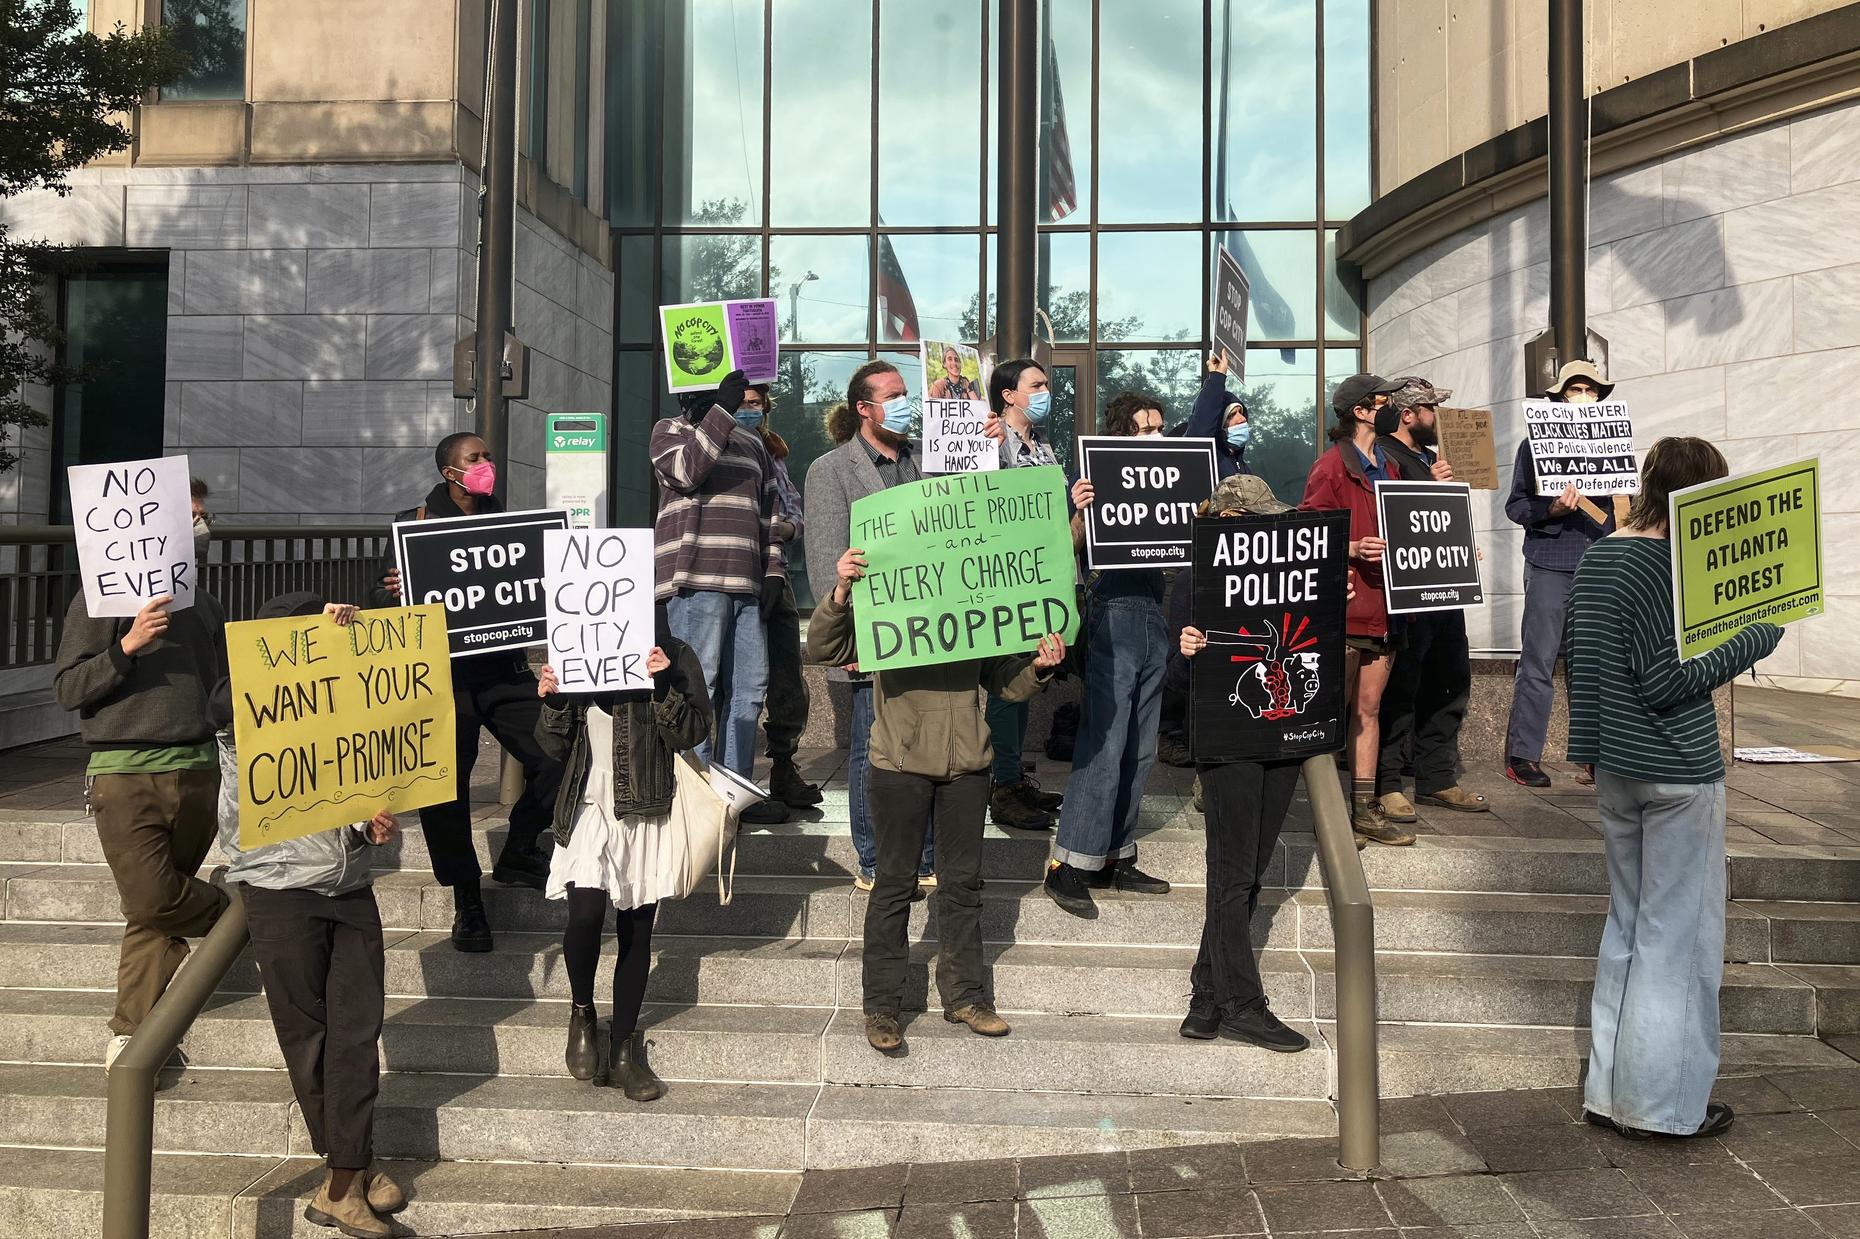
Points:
x=1246, y=492
x=1417, y=391
x=1358, y=388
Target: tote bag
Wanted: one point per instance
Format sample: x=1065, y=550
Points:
x=698, y=832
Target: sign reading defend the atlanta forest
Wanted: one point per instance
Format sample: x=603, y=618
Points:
x=486, y=570
x=972, y=565
x=1746, y=550
x=1432, y=560
x=1144, y=495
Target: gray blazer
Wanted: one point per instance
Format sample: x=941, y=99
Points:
x=834, y=482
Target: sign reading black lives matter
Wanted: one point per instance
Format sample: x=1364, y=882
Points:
x=486, y=570
x=1591, y=445
x=1270, y=593
x=1232, y=295
x=1144, y=494
x=1432, y=560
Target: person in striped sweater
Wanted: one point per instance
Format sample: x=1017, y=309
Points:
x=1644, y=719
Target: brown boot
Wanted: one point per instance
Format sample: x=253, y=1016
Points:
x=350, y=1215
x=384, y=1195
x=980, y=1019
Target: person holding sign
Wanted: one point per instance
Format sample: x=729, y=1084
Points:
x=929, y=755
x=492, y=690
x=1220, y=415
x=1644, y=718
x=1556, y=533
x=619, y=749
x=1345, y=478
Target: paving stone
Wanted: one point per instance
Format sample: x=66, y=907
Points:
x=1197, y=1215
x=1288, y=1161
x=1079, y=1217
x=1752, y=1095
x=1296, y=1207
x=1453, y=1200
x=1725, y=1188
x=1201, y=1167
x=1822, y=1181
x=1510, y=1108
x=845, y=1191
x=1833, y=1088
x=1537, y=1147
x=992, y=1220
x=930, y=1183
x=1090, y=1174
x=1842, y=1221
x=1429, y=1152
x=1784, y=1138
x=1577, y=1194
x=870, y=1224
x=1652, y=1227
x=1766, y=1224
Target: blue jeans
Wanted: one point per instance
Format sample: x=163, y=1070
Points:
x=1654, y=1018
x=1540, y=642
x=1007, y=731
x=858, y=804
x=1127, y=648
x=726, y=633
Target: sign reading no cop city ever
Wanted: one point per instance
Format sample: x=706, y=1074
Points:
x=486, y=570
x=1746, y=550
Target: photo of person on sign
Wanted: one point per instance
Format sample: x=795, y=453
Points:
x=961, y=376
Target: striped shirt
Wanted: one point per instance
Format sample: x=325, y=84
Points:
x=1636, y=709
x=717, y=497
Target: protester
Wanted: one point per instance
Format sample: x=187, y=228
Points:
x=720, y=565
x=1221, y=416
x=1431, y=681
x=1644, y=718
x=203, y=519
x=1245, y=803
x=875, y=453
x=787, y=696
x=493, y=691
x=316, y=935
x=140, y=688
x=1126, y=647
x=929, y=757
x=1019, y=400
x=609, y=819
x=1556, y=533
x=1345, y=478
x=952, y=384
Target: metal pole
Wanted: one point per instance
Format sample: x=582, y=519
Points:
x=496, y=241
x=1017, y=176
x=1569, y=224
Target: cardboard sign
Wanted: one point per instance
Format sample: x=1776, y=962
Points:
x=1432, y=559
x=955, y=411
x=575, y=467
x=1466, y=443
x=1270, y=593
x=1591, y=445
x=598, y=584
x=1746, y=549
x=333, y=725
x=135, y=533
x=704, y=340
x=487, y=571
x=1144, y=495
x=968, y=566
x=1233, y=293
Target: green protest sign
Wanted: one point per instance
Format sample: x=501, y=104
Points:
x=967, y=566
x=1746, y=549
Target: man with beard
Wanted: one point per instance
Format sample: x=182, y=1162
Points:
x=1425, y=701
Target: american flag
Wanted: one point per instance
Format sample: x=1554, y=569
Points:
x=897, y=311
x=1062, y=192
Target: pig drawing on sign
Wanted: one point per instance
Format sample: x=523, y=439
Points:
x=1278, y=673
x=598, y=588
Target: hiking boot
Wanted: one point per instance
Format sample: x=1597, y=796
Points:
x=787, y=785
x=765, y=813
x=981, y=1020
x=1009, y=806
x=1049, y=801
x=882, y=1032
x=1371, y=823
x=629, y=1071
x=1069, y=888
x=1172, y=749
x=1202, y=1023
x=384, y=1195
x=1397, y=808
x=522, y=866
x=1124, y=875
x=863, y=880
x=350, y=1215
x=1527, y=773
x=1458, y=799
x=470, y=930
x=581, y=1054
x=1259, y=1026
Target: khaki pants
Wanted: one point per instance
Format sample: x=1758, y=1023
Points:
x=155, y=830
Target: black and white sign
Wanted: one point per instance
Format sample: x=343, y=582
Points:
x=1144, y=494
x=1591, y=445
x=598, y=583
x=1270, y=594
x=1432, y=560
x=1233, y=293
x=134, y=524
x=486, y=570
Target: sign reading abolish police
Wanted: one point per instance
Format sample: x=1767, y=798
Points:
x=973, y=565
x=1144, y=494
x=1591, y=445
x=1269, y=592
x=1746, y=549
x=598, y=584
x=1432, y=560
x=333, y=725
x=486, y=570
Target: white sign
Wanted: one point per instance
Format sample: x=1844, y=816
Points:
x=1591, y=445
x=598, y=586
x=135, y=533
x=955, y=411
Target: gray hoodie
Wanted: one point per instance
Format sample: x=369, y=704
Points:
x=330, y=862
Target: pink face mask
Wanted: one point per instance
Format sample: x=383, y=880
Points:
x=480, y=479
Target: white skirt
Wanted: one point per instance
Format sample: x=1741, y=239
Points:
x=621, y=858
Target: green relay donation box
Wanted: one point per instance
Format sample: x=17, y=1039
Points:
x=575, y=467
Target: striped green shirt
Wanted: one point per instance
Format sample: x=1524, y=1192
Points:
x=1635, y=708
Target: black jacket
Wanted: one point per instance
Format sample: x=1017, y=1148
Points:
x=1414, y=465
x=649, y=728
x=469, y=671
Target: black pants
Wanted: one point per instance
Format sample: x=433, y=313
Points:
x=320, y=958
x=494, y=691
x=903, y=806
x=1424, y=705
x=1245, y=804
x=581, y=953
x=786, y=709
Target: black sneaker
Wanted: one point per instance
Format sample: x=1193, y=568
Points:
x=522, y=866
x=1067, y=887
x=1527, y=773
x=471, y=932
x=1718, y=1120
x=1202, y=1023
x=1172, y=749
x=765, y=813
x=787, y=786
x=1124, y=875
x=1009, y=806
x=1259, y=1026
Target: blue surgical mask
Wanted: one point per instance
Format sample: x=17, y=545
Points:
x=749, y=419
x=1039, y=404
x=1239, y=436
x=900, y=415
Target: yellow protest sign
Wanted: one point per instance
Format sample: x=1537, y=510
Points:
x=334, y=724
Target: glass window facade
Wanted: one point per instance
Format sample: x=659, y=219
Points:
x=212, y=32
x=115, y=325
x=838, y=156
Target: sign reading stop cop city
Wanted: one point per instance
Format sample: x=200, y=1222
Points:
x=486, y=570
x=1432, y=562
x=1746, y=550
x=1144, y=495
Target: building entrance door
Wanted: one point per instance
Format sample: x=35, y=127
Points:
x=1074, y=411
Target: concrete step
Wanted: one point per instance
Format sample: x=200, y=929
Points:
x=1809, y=932
x=1837, y=995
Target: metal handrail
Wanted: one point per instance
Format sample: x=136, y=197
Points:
x=1353, y=929
x=129, y=1131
